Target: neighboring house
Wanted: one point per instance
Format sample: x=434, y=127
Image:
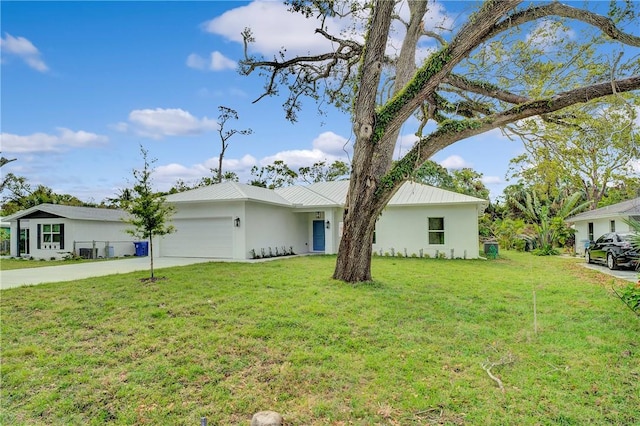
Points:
x=237, y=221
x=591, y=225
x=52, y=230
x=5, y=232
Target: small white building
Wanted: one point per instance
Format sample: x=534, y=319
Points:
x=591, y=225
x=53, y=231
x=237, y=221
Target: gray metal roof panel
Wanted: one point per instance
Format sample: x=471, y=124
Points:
x=228, y=191
x=305, y=197
x=625, y=208
x=336, y=191
x=412, y=193
x=72, y=212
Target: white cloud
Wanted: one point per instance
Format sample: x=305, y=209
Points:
x=273, y=28
x=166, y=176
x=43, y=142
x=220, y=62
x=333, y=144
x=404, y=144
x=297, y=158
x=238, y=165
x=326, y=147
x=217, y=62
x=24, y=49
x=120, y=127
x=491, y=180
x=548, y=34
x=455, y=162
x=159, y=122
x=196, y=61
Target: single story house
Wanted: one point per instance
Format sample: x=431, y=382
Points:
x=237, y=221
x=5, y=232
x=52, y=231
x=589, y=226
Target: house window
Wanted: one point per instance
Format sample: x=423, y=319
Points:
x=51, y=236
x=436, y=230
x=612, y=226
x=590, y=230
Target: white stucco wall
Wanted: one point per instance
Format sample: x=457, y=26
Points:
x=273, y=226
x=106, y=234
x=401, y=228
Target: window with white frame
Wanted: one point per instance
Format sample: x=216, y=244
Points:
x=436, y=230
x=51, y=236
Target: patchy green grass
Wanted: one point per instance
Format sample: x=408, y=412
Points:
x=225, y=340
x=14, y=263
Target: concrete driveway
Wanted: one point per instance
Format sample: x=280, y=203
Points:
x=625, y=274
x=51, y=274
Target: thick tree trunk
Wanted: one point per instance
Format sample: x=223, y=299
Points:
x=354, y=256
x=372, y=160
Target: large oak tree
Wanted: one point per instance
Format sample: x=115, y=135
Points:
x=507, y=62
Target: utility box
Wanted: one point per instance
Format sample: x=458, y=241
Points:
x=87, y=253
x=142, y=248
x=491, y=250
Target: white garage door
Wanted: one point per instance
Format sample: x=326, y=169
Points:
x=200, y=238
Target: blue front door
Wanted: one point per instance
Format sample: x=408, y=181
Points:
x=318, y=235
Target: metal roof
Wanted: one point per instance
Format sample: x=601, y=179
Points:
x=625, y=208
x=302, y=196
x=71, y=212
x=409, y=194
x=413, y=193
x=228, y=191
x=321, y=194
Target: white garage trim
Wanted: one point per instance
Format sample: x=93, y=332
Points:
x=200, y=238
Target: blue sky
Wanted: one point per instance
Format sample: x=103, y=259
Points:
x=85, y=83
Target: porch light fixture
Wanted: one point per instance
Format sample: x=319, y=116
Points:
x=318, y=215
x=328, y=224
x=236, y=222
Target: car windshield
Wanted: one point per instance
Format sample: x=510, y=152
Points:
x=626, y=237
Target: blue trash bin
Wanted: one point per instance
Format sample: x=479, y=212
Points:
x=142, y=248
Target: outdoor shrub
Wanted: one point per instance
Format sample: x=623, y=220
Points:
x=546, y=250
x=393, y=252
x=630, y=295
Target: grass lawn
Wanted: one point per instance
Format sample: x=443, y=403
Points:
x=419, y=346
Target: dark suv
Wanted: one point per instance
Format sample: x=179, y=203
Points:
x=613, y=249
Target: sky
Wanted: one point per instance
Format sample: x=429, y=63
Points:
x=85, y=84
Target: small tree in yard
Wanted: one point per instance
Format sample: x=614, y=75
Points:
x=148, y=211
